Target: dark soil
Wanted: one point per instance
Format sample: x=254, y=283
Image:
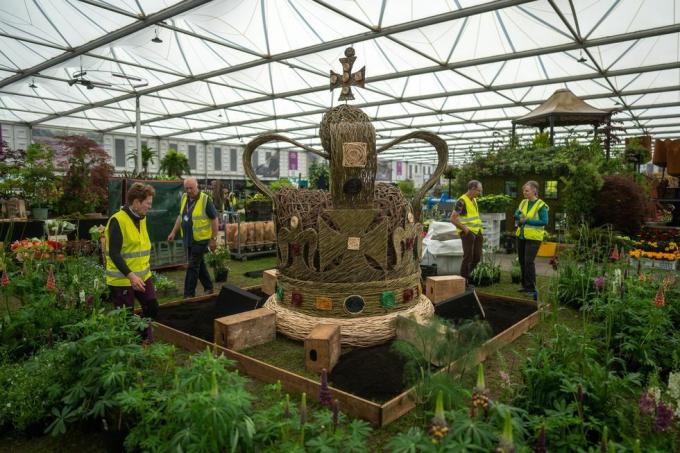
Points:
x=197, y=318
x=254, y=274
x=373, y=373
x=500, y=313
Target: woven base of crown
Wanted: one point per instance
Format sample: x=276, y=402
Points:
x=348, y=300
x=361, y=332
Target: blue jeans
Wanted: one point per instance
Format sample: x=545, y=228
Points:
x=197, y=270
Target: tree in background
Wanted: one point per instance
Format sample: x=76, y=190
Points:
x=86, y=175
x=175, y=164
x=319, y=176
x=408, y=188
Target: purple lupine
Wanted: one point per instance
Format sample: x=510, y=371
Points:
x=336, y=414
x=599, y=283
x=541, y=444
x=647, y=404
x=286, y=409
x=664, y=417
x=89, y=301
x=325, y=397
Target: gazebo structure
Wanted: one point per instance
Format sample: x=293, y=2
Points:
x=563, y=108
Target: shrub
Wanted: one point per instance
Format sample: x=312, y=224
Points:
x=621, y=203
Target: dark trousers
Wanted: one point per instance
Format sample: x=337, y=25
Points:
x=472, y=253
x=124, y=296
x=197, y=270
x=526, y=253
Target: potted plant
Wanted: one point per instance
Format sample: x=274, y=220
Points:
x=148, y=156
x=218, y=259
x=39, y=181
x=486, y=273
x=175, y=164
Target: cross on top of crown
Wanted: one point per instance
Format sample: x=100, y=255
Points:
x=347, y=78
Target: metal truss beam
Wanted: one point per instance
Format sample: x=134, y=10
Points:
x=144, y=22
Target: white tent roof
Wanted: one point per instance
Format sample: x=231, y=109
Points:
x=230, y=70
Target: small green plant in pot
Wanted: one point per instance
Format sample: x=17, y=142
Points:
x=218, y=259
x=515, y=271
x=486, y=273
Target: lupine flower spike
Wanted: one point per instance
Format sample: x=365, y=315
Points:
x=335, y=408
x=325, y=397
x=660, y=299
x=541, y=444
x=615, y=256
x=506, y=444
x=438, y=427
x=5, y=279
x=480, y=394
x=51, y=282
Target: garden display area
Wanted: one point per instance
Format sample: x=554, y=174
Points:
x=467, y=239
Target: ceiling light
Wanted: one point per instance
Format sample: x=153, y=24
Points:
x=581, y=58
x=156, y=39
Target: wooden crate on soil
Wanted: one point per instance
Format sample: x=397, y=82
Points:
x=322, y=347
x=246, y=329
x=443, y=287
x=377, y=413
x=269, y=278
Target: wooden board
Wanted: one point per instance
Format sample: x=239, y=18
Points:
x=377, y=414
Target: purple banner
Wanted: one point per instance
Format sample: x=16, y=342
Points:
x=292, y=160
x=399, y=170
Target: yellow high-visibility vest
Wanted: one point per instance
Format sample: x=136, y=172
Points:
x=136, y=250
x=200, y=223
x=471, y=218
x=531, y=232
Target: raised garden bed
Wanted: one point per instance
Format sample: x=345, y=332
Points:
x=505, y=331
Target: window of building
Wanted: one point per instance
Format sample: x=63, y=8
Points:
x=511, y=188
x=120, y=152
x=550, y=190
x=218, y=158
x=192, y=157
x=233, y=159
x=173, y=146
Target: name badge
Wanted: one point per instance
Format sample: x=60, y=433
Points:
x=186, y=218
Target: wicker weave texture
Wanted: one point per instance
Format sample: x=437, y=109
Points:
x=359, y=332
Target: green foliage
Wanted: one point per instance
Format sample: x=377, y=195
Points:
x=218, y=258
x=494, y=203
x=30, y=389
x=407, y=187
x=175, y=164
x=487, y=272
x=280, y=184
x=285, y=426
x=148, y=156
x=162, y=283
x=319, y=175
x=204, y=409
x=39, y=180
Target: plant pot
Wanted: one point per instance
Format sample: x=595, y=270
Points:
x=673, y=157
x=221, y=275
x=659, y=157
x=39, y=213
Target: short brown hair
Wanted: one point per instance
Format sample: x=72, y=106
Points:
x=139, y=191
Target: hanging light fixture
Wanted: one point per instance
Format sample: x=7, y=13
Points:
x=32, y=84
x=581, y=59
x=156, y=39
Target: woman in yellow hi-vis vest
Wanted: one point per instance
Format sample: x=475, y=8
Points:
x=199, y=225
x=532, y=218
x=465, y=217
x=128, y=253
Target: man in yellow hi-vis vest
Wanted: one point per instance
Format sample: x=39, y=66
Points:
x=199, y=225
x=531, y=218
x=128, y=253
x=465, y=217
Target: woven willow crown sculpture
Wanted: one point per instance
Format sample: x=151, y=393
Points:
x=352, y=256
